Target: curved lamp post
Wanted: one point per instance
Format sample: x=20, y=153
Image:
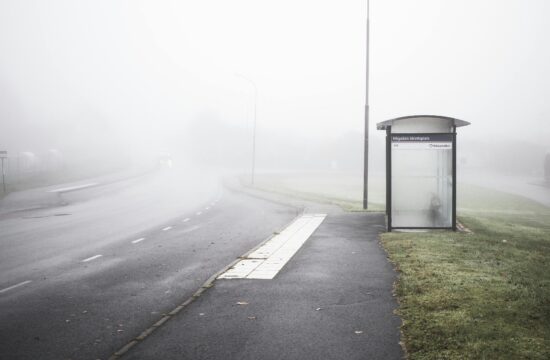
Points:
x=366, y=142
x=253, y=127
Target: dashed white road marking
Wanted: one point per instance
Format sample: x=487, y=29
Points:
x=266, y=261
x=138, y=240
x=192, y=228
x=92, y=258
x=186, y=220
x=199, y=213
x=72, y=188
x=15, y=286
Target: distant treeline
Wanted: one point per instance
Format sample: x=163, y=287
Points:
x=506, y=157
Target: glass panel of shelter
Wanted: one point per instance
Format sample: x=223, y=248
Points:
x=422, y=188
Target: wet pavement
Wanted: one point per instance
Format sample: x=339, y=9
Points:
x=333, y=300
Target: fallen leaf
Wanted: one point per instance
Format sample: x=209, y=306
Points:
x=242, y=303
x=251, y=318
x=318, y=309
x=358, y=332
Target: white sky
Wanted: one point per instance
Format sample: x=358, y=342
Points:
x=153, y=65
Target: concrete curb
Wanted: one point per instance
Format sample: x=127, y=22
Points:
x=205, y=286
x=147, y=332
x=263, y=195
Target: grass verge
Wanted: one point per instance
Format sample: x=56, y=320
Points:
x=345, y=191
x=484, y=295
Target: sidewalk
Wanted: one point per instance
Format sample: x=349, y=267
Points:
x=332, y=300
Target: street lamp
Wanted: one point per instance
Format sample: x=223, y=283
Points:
x=366, y=144
x=253, y=126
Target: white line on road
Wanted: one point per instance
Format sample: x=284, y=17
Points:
x=199, y=213
x=186, y=220
x=92, y=258
x=138, y=240
x=15, y=286
x=72, y=188
x=167, y=228
x=192, y=228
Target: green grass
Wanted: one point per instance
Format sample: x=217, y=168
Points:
x=342, y=190
x=484, y=295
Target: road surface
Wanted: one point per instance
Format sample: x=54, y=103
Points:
x=84, y=273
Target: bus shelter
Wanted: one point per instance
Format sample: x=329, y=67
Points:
x=421, y=171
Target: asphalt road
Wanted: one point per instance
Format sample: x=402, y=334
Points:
x=83, y=275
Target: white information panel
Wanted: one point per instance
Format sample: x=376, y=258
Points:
x=422, y=142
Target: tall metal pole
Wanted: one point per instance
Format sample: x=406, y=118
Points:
x=253, y=127
x=366, y=145
x=3, y=177
x=254, y=135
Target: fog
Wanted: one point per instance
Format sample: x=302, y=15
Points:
x=111, y=84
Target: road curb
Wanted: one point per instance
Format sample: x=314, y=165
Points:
x=205, y=286
x=264, y=195
x=147, y=332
